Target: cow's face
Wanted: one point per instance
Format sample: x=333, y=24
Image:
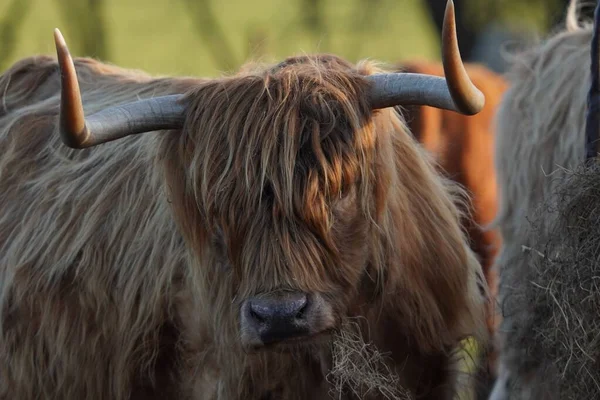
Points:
x=287, y=193
x=294, y=280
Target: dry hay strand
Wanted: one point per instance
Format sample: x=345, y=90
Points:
x=554, y=348
x=360, y=370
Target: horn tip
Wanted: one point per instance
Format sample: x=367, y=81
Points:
x=62, y=50
x=477, y=106
x=58, y=37
x=449, y=9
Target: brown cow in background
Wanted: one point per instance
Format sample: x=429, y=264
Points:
x=463, y=148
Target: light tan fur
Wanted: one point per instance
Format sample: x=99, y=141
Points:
x=122, y=267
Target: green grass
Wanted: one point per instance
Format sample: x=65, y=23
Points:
x=160, y=36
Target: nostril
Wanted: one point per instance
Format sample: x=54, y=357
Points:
x=303, y=307
x=261, y=310
x=256, y=316
x=295, y=307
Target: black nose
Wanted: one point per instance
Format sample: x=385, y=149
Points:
x=277, y=317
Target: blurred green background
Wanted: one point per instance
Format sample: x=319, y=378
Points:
x=207, y=37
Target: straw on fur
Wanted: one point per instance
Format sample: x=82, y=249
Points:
x=122, y=267
x=359, y=367
x=555, y=349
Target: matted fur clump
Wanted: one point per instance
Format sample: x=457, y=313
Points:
x=558, y=296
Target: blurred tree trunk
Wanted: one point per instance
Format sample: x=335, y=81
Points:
x=9, y=25
x=366, y=15
x=465, y=31
x=210, y=31
x=312, y=15
x=86, y=26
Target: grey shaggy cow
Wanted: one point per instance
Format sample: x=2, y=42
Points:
x=214, y=239
x=541, y=137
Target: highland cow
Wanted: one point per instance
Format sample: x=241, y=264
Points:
x=226, y=238
x=541, y=137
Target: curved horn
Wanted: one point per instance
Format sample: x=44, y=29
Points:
x=592, y=128
x=79, y=132
x=456, y=92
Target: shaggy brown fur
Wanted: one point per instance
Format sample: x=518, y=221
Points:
x=541, y=134
x=463, y=147
x=122, y=267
